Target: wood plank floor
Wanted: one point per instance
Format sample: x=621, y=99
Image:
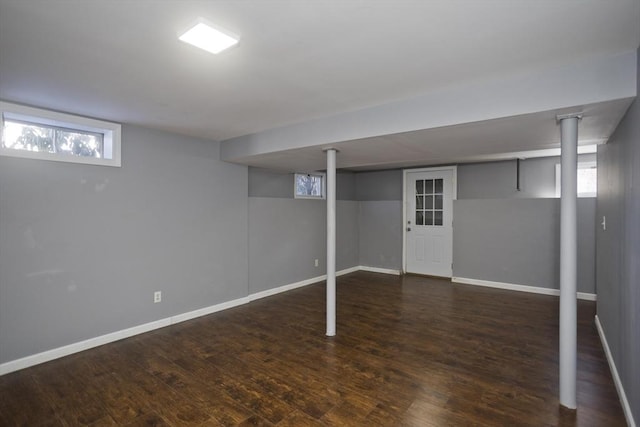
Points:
x=409, y=351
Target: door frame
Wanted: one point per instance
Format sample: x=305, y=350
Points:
x=454, y=196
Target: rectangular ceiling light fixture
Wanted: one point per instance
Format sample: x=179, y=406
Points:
x=204, y=36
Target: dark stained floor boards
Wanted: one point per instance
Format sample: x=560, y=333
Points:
x=409, y=351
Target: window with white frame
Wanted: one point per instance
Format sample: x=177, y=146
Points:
x=36, y=133
x=587, y=179
x=309, y=186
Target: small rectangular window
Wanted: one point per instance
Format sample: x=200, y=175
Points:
x=47, y=135
x=309, y=186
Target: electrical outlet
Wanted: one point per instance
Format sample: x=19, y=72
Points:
x=157, y=296
x=316, y=262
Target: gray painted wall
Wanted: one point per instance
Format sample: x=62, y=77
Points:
x=379, y=185
x=347, y=234
x=520, y=227
x=618, y=250
x=380, y=231
x=270, y=183
x=517, y=241
x=287, y=235
x=497, y=180
x=379, y=218
x=346, y=185
x=84, y=247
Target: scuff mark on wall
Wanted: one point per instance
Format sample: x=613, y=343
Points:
x=30, y=239
x=52, y=272
x=101, y=187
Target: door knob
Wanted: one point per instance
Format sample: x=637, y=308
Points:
x=408, y=228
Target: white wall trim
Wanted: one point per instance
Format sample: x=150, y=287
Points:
x=291, y=286
x=66, y=350
x=587, y=296
x=77, y=347
x=379, y=270
x=56, y=353
x=348, y=270
x=520, y=288
x=285, y=288
x=614, y=373
x=208, y=310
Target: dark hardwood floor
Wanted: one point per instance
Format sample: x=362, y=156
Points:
x=409, y=351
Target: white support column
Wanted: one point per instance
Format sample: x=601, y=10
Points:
x=331, y=242
x=568, y=258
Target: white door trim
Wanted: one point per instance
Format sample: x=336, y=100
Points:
x=454, y=172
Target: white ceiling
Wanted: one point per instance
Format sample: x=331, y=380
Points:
x=296, y=61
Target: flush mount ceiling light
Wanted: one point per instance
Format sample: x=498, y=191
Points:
x=205, y=36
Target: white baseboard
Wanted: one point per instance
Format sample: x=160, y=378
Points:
x=77, y=347
x=614, y=373
x=520, y=288
x=208, y=310
x=586, y=296
x=67, y=350
x=379, y=270
x=347, y=271
x=306, y=282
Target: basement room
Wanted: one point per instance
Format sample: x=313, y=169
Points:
x=319, y=213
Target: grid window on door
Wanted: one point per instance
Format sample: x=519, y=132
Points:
x=429, y=194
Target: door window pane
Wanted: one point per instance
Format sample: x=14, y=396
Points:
x=428, y=200
x=439, y=185
x=419, y=218
x=437, y=219
x=419, y=186
x=428, y=218
x=428, y=186
x=438, y=200
x=419, y=202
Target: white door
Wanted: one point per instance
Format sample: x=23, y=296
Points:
x=428, y=222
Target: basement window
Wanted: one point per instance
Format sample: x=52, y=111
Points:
x=34, y=133
x=587, y=179
x=309, y=186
